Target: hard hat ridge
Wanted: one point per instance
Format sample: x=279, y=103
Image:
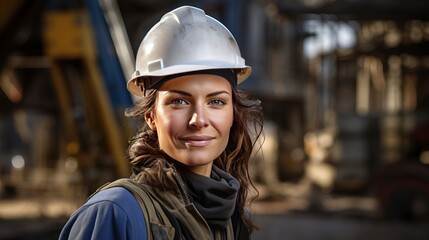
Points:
x=186, y=14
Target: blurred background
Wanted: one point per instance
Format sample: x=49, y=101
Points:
x=344, y=85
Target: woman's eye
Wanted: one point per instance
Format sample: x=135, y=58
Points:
x=178, y=102
x=217, y=102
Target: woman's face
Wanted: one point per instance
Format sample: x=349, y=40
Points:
x=193, y=115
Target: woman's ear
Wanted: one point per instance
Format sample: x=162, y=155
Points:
x=150, y=122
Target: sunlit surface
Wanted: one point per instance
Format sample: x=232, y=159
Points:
x=424, y=157
x=18, y=162
x=36, y=207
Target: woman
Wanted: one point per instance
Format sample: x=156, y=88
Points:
x=192, y=159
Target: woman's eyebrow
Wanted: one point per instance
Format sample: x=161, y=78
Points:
x=179, y=92
x=217, y=93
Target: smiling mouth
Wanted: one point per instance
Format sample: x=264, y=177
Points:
x=197, y=141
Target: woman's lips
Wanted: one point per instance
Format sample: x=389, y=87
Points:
x=197, y=141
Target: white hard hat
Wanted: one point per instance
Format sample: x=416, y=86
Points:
x=185, y=40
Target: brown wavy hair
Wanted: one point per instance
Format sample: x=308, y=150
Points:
x=147, y=159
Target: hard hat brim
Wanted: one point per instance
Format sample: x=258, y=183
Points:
x=242, y=74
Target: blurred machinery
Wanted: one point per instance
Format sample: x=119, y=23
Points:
x=63, y=85
x=344, y=83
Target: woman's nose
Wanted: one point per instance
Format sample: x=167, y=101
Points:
x=199, y=118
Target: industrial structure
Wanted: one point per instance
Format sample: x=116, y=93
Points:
x=344, y=86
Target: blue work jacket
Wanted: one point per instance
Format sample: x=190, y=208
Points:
x=110, y=214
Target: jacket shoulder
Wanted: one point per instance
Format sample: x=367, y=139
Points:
x=110, y=214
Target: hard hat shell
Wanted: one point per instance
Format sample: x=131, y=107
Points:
x=185, y=40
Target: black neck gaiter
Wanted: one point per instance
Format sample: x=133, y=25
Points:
x=214, y=197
